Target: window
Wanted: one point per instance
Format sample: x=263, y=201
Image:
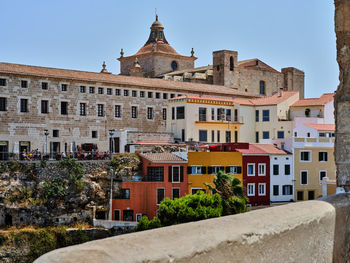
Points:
x=300, y=195
x=175, y=193
x=91, y=90
x=220, y=114
x=44, y=85
x=64, y=87
x=276, y=190
x=142, y=94
x=100, y=90
x=311, y=195
x=164, y=114
x=116, y=214
x=236, y=115
x=195, y=190
x=155, y=174
x=82, y=109
x=262, y=189
x=24, y=105
x=202, y=114
x=307, y=112
x=150, y=113
x=228, y=136
x=228, y=115
x=109, y=91
x=138, y=217
x=308, y=135
x=212, y=114
x=261, y=169
x=174, y=65
x=305, y=156
x=280, y=135
x=44, y=106
x=125, y=194
x=233, y=169
x=117, y=111
x=275, y=169
x=197, y=169
x=287, y=189
x=262, y=87
x=215, y=169
x=149, y=95
x=173, y=113
x=257, y=137
x=251, y=169
x=218, y=136
x=172, y=95
x=82, y=89
x=134, y=112
x=322, y=156
x=64, y=108
x=94, y=134
x=165, y=96
x=2, y=82
x=295, y=134
x=257, y=115
x=213, y=136
x=180, y=113
x=117, y=92
x=157, y=95
x=203, y=135
x=231, y=63
x=160, y=195
x=322, y=134
x=55, y=133
x=24, y=84
x=303, y=177
x=250, y=189
x=3, y=104
x=322, y=175
x=287, y=169
x=266, y=115
x=266, y=135
x=176, y=174
x=100, y=112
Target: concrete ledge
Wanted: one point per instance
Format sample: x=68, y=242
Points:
x=298, y=232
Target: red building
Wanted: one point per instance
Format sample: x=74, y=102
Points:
x=163, y=175
x=256, y=170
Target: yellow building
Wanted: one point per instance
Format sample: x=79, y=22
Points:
x=203, y=119
x=313, y=160
x=203, y=166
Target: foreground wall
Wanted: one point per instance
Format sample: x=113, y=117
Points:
x=298, y=232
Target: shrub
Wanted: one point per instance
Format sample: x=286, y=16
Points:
x=53, y=188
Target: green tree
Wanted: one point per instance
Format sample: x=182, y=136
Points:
x=75, y=172
x=231, y=191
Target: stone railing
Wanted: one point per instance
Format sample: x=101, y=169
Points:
x=310, y=231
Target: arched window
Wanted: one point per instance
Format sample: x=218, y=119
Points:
x=174, y=65
x=231, y=63
x=307, y=112
x=160, y=35
x=153, y=35
x=262, y=87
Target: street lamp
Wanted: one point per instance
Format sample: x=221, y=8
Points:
x=111, y=132
x=111, y=195
x=46, y=133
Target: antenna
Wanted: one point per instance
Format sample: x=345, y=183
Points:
x=155, y=13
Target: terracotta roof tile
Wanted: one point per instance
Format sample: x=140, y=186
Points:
x=120, y=80
x=162, y=157
x=262, y=149
x=324, y=99
x=321, y=127
x=271, y=100
x=252, y=150
x=210, y=98
x=159, y=47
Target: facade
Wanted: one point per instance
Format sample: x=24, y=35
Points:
x=203, y=119
x=163, y=175
x=313, y=159
x=203, y=167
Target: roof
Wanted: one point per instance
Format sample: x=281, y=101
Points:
x=321, y=127
x=162, y=157
x=45, y=72
x=192, y=70
x=256, y=64
x=159, y=46
x=324, y=99
x=271, y=100
x=265, y=149
x=207, y=98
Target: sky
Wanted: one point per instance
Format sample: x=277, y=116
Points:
x=81, y=34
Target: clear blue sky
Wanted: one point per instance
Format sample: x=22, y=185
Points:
x=80, y=34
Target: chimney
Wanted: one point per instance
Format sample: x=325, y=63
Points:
x=280, y=92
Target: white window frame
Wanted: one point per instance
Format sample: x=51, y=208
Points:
x=307, y=177
x=262, y=193
x=262, y=165
x=253, y=169
x=310, y=156
x=248, y=189
x=172, y=173
x=172, y=196
x=157, y=194
x=324, y=152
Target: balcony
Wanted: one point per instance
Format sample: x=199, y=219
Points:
x=313, y=142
